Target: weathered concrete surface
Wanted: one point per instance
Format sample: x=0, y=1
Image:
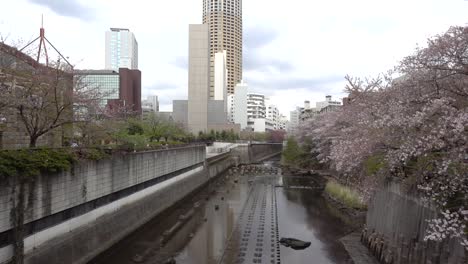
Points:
x=90, y=180
x=123, y=217
x=356, y=250
x=400, y=221
x=254, y=153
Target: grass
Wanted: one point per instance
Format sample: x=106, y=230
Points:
x=345, y=195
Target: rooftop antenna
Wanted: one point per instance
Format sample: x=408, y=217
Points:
x=42, y=43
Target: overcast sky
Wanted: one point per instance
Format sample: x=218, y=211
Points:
x=294, y=50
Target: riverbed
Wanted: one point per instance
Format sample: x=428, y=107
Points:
x=240, y=218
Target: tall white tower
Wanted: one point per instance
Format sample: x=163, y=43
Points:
x=121, y=49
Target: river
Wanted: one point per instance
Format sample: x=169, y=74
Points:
x=240, y=218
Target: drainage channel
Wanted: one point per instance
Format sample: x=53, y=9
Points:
x=256, y=236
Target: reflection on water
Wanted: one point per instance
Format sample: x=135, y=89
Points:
x=302, y=214
x=208, y=243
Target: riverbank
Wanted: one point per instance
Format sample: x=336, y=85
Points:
x=343, y=201
x=347, y=203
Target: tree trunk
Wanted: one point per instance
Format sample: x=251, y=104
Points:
x=32, y=141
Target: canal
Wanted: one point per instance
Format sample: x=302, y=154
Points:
x=240, y=218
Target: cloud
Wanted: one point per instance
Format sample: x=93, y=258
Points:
x=322, y=84
x=259, y=63
x=163, y=86
x=69, y=8
x=181, y=62
x=255, y=39
x=258, y=37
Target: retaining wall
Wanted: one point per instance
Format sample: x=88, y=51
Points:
x=260, y=152
x=253, y=153
x=64, y=197
x=396, y=226
x=75, y=215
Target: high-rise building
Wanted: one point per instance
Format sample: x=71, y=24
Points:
x=202, y=112
x=224, y=19
x=199, y=77
x=121, y=49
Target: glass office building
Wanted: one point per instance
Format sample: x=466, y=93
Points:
x=107, y=82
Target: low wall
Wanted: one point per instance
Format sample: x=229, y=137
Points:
x=396, y=227
x=254, y=153
x=260, y=152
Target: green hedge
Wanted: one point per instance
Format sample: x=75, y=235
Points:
x=32, y=162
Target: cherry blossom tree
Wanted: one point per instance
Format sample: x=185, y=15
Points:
x=410, y=123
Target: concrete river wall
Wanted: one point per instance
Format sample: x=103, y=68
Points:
x=72, y=216
x=396, y=227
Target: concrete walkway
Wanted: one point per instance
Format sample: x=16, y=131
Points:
x=356, y=250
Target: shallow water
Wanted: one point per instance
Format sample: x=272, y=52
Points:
x=241, y=221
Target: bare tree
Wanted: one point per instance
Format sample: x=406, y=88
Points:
x=44, y=98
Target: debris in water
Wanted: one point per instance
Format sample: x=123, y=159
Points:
x=294, y=243
x=216, y=207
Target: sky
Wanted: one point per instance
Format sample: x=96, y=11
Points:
x=294, y=50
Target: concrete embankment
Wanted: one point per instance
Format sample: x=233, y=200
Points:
x=72, y=216
x=396, y=226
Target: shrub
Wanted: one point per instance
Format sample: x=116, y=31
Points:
x=345, y=195
x=32, y=162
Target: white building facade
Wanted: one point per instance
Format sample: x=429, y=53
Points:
x=121, y=49
x=150, y=105
x=283, y=122
x=239, y=105
x=257, y=119
x=153, y=99
x=273, y=115
x=328, y=101
x=220, y=78
x=256, y=106
x=294, y=118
